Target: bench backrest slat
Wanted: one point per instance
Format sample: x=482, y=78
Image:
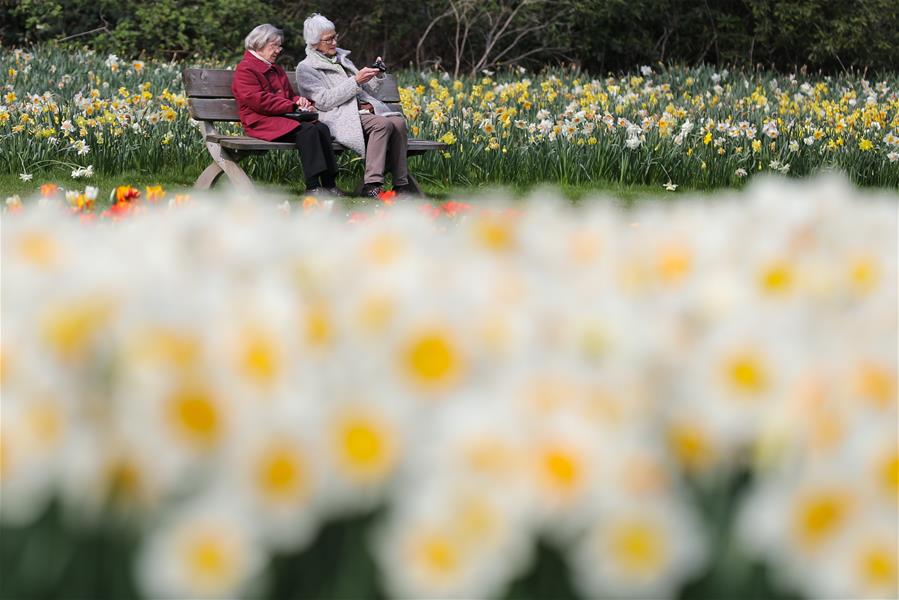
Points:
x=202, y=84
x=207, y=83
x=389, y=92
x=213, y=109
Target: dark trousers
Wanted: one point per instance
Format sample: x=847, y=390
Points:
x=313, y=140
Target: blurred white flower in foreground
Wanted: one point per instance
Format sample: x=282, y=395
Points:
x=206, y=550
x=234, y=377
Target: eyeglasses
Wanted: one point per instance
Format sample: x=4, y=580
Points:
x=332, y=39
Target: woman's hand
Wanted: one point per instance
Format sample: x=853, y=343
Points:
x=366, y=74
x=304, y=103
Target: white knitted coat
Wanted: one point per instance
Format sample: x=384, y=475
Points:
x=334, y=94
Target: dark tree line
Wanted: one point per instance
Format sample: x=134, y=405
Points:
x=464, y=36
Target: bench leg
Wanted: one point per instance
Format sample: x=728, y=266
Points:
x=413, y=183
x=208, y=177
x=224, y=160
x=236, y=175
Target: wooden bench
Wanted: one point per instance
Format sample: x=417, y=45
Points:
x=210, y=100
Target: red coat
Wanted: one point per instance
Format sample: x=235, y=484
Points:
x=263, y=91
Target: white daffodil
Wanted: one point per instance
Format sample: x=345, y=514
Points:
x=640, y=549
x=207, y=550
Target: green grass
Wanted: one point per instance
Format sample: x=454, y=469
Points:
x=11, y=185
x=183, y=184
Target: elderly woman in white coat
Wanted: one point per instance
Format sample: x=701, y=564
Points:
x=344, y=98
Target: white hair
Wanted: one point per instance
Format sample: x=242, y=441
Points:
x=314, y=27
x=262, y=35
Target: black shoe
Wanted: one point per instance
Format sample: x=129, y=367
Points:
x=406, y=190
x=372, y=190
x=337, y=192
x=326, y=191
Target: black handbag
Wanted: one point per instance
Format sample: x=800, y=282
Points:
x=302, y=115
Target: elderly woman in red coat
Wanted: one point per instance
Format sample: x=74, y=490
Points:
x=264, y=93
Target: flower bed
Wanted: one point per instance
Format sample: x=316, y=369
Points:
x=690, y=127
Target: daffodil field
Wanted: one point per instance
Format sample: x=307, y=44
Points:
x=218, y=398
x=230, y=394
x=690, y=127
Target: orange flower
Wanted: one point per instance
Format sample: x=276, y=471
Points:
x=82, y=204
x=179, y=199
x=387, y=197
x=155, y=193
x=453, y=208
x=309, y=203
x=48, y=190
x=430, y=211
x=126, y=193
x=118, y=210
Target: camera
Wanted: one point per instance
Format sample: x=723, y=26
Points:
x=379, y=64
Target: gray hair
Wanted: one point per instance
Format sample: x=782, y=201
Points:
x=262, y=35
x=314, y=27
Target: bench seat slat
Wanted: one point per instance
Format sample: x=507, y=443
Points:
x=248, y=143
x=419, y=146
x=243, y=142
